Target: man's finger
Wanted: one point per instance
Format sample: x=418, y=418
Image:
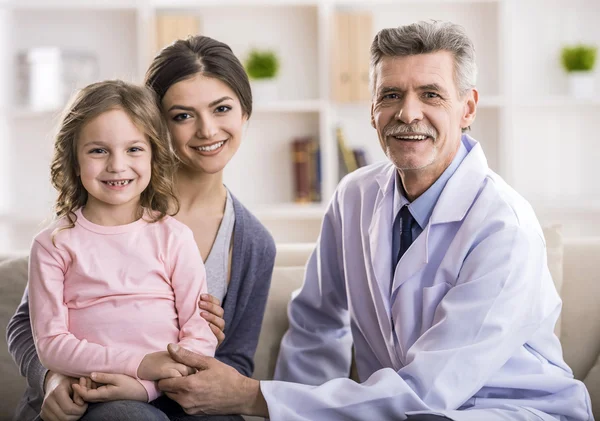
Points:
x=189, y=358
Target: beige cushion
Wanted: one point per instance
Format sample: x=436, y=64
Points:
x=13, y=277
x=581, y=312
x=555, y=251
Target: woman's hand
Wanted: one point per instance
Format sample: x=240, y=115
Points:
x=111, y=387
x=160, y=365
x=60, y=403
x=212, y=312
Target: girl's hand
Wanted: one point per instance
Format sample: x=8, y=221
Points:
x=160, y=365
x=60, y=403
x=212, y=312
x=111, y=387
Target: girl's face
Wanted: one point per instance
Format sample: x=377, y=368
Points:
x=115, y=162
x=205, y=119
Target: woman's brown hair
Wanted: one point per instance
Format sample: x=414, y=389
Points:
x=139, y=103
x=199, y=55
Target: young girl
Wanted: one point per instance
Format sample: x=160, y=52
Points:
x=115, y=278
x=205, y=95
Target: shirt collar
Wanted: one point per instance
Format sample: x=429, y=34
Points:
x=422, y=207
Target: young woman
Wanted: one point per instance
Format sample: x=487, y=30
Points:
x=205, y=96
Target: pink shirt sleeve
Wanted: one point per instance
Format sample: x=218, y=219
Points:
x=58, y=349
x=189, y=281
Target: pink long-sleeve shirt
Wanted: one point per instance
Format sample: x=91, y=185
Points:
x=103, y=297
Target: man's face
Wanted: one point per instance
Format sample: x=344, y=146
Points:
x=418, y=112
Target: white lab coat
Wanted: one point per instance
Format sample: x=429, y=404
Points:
x=473, y=308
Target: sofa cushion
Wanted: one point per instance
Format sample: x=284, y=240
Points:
x=13, y=277
x=554, y=252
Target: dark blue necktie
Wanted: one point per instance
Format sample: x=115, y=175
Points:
x=405, y=232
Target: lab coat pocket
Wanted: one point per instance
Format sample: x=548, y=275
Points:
x=432, y=296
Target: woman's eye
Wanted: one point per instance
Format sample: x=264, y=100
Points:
x=223, y=108
x=181, y=117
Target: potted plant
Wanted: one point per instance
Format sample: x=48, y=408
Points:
x=578, y=61
x=262, y=67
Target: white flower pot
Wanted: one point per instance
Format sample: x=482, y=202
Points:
x=581, y=84
x=264, y=90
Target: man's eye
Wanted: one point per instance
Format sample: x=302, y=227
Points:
x=431, y=95
x=390, y=96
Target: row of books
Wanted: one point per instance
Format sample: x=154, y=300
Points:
x=306, y=160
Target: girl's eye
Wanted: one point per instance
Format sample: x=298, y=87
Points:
x=181, y=117
x=97, y=151
x=223, y=108
x=136, y=149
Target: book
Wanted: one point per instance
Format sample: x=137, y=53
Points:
x=306, y=170
x=347, y=156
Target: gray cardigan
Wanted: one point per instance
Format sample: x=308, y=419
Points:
x=251, y=269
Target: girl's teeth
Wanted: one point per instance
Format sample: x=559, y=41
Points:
x=118, y=183
x=210, y=148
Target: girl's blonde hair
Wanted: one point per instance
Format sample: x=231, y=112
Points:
x=139, y=103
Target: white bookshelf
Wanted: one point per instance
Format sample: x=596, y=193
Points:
x=539, y=139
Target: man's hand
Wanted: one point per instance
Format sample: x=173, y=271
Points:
x=160, y=365
x=59, y=402
x=215, y=388
x=212, y=312
x=112, y=387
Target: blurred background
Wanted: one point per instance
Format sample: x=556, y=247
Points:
x=538, y=118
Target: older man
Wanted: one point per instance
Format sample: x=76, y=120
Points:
x=430, y=265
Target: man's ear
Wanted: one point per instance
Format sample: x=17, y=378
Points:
x=470, y=109
x=372, y=116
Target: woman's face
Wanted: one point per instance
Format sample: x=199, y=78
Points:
x=205, y=119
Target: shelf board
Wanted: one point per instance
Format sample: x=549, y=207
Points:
x=289, y=211
x=29, y=113
x=493, y=101
x=557, y=101
x=301, y=106
x=70, y=4
x=568, y=206
x=194, y=4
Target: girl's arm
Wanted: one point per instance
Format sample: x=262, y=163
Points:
x=57, y=348
x=188, y=280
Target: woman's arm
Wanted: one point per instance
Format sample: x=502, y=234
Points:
x=241, y=336
x=188, y=280
x=19, y=338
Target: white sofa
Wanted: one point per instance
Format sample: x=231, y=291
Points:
x=577, y=259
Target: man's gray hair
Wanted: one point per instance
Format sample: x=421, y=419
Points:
x=427, y=37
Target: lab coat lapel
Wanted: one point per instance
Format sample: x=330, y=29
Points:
x=380, y=254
